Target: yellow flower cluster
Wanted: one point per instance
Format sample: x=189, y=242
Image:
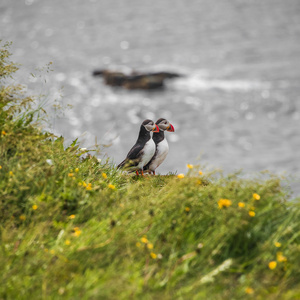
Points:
x=249, y=290
x=34, y=207
x=3, y=132
x=149, y=245
x=104, y=175
x=279, y=257
x=22, y=217
x=144, y=240
x=89, y=187
x=180, y=176
x=77, y=231
x=277, y=244
x=190, y=166
x=224, y=203
x=251, y=213
x=111, y=186
x=272, y=265
x=256, y=196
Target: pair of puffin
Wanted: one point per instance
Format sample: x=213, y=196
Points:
x=148, y=153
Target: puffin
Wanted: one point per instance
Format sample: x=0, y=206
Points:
x=143, y=150
x=162, y=146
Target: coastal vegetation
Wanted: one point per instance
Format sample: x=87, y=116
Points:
x=75, y=227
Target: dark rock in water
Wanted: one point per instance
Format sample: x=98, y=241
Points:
x=114, y=78
x=135, y=80
x=147, y=82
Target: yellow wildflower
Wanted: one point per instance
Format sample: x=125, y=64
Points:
x=251, y=213
x=0, y=167
x=249, y=290
x=200, y=173
x=199, y=181
x=104, y=175
x=52, y=251
x=280, y=257
x=241, y=204
x=3, y=132
x=150, y=246
x=22, y=217
x=89, y=187
x=190, y=166
x=180, y=176
x=277, y=244
x=11, y=173
x=256, y=196
x=34, y=207
x=71, y=174
x=76, y=228
x=111, y=186
x=138, y=244
x=144, y=240
x=72, y=217
x=187, y=209
x=67, y=242
x=224, y=203
x=79, y=184
x=272, y=265
x=76, y=170
x=84, y=184
x=77, y=232
x=153, y=255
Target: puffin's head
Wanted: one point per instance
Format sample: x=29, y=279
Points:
x=164, y=124
x=150, y=126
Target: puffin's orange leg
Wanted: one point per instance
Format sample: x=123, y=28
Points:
x=142, y=172
x=137, y=172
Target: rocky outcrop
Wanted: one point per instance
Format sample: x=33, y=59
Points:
x=146, y=81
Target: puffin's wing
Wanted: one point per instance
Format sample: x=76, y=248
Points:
x=133, y=157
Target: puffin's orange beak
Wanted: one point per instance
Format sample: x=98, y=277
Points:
x=171, y=128
x=155, y=129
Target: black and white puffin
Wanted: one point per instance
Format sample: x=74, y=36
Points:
x=143, y=150
x=162, y=146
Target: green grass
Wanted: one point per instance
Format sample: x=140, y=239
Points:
x=75, y=228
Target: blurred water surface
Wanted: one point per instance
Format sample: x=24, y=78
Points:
x=237, y=107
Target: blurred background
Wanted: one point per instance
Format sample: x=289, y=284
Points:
x=236, y=107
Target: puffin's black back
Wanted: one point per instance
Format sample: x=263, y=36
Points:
x=136, y=151
x=158, y=137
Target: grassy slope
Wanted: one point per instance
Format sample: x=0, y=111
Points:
x=76, y=228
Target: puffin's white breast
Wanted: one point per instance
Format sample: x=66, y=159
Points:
x=162, y=152
x=149, y=150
